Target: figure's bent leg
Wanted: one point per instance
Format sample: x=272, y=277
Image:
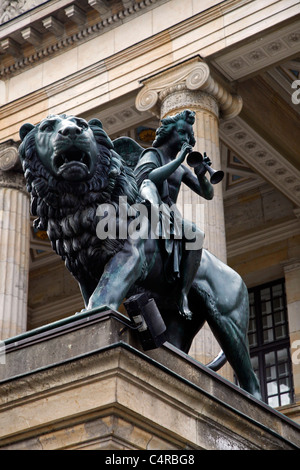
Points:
x=189, y=265
x=149, y=192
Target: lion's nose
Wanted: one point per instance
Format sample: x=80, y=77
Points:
x=70, y=130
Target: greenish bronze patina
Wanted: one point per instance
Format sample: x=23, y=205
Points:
x=76, y=175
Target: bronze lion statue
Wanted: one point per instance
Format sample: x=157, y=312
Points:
x=71, y=169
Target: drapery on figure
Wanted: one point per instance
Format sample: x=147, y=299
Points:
x=159, y=174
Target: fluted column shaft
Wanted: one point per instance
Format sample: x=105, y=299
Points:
x=190, y=86
x=14, y=251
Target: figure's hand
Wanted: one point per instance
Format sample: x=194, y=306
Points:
x=206, y=159
x=185, y=150
x=200, y=170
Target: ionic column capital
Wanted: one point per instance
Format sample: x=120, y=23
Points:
x=9, y=158
x=190, y=76
x=11, y=175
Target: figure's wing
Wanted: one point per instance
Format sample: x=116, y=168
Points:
x=129, y=150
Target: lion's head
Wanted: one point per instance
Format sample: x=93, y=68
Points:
x=66, y=146
x=71, y=167
x=64, y=157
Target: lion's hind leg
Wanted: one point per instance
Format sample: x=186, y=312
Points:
x=231, y=333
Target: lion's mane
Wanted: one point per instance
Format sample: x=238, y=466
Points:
x=67, y=211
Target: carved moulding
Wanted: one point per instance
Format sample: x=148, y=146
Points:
x=193, y=75
x=181, y=98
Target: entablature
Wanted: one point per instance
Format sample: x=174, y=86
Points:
x=35, y=29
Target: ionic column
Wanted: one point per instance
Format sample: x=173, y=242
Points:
x=14, y=245
x=189, y=85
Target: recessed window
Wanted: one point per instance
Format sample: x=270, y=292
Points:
x=269, y=342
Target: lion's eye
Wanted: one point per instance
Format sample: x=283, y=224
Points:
x=46, y=128
x=82, y=124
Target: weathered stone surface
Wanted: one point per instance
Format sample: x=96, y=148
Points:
x=85, y=382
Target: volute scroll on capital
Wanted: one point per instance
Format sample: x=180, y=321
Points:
x=9, y=158
x=11, y=175
x=194, y=75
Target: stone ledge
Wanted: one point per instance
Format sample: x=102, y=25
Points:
x=85, y=382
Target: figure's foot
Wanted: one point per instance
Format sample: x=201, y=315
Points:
x=81, y=311
x=184, y=308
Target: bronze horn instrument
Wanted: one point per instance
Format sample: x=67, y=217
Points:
x=195, y=158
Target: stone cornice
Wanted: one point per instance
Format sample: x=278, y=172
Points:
x=59, y=40
x=193, y=75
x=43, y=18
x=262, y=238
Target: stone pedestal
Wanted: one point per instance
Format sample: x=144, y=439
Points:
x=85, y=383
x=189, y=85
x=14, y=246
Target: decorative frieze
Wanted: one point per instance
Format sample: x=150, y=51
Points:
x=10, y=9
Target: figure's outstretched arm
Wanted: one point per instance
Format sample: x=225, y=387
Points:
x=200, y=184
x=159, y=175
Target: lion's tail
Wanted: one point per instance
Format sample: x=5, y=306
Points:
x=218, y=362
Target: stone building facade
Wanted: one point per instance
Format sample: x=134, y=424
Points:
x=236, y=63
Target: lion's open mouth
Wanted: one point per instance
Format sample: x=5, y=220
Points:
x=73, y=164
